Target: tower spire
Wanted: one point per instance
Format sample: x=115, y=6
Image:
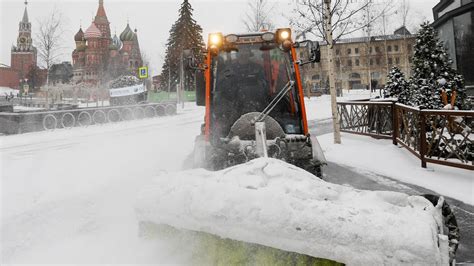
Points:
x=25, y=14
x=101, y=10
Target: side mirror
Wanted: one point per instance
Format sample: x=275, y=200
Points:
x=190, y=60
x=313, y=50
x=200, y=88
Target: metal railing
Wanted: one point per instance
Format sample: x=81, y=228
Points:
x=22, y=122
x=366, y=118
x=434, y=136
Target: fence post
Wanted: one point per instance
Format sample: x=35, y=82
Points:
x=422, y=138
x=394, y=123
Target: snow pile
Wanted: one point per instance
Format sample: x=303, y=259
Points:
x=6, y=90
x=272, y=203
x=124, y=81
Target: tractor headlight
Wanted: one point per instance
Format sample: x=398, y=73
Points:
x=231, y=38
x=215, y=39
x=268, y=36
x=283, y=35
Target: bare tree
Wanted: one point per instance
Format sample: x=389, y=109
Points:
x=49, y=39
x=344, y=15
x=331, y=20
x=258, y=15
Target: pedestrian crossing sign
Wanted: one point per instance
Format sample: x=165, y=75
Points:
x=143, y=72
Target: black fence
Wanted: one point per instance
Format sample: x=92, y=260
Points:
x=434, y=136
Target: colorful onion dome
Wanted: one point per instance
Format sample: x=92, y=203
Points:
x=116, y=42
x=127, y=34
x=92, y=32
x=79, y=36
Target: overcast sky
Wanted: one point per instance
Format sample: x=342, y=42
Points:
x=152, y=18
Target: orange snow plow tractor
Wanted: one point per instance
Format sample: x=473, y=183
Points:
x=251, y=87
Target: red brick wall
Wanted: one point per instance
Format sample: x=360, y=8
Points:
x=9, y=78
x=23, y=62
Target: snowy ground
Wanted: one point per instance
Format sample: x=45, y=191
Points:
x=67, y=196
x=382, y=157
x=319, y=108
x=19, y=108
x=6, y=90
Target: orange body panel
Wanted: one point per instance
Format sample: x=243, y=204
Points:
x=300, y=91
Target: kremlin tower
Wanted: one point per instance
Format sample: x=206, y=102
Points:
x=24, y=54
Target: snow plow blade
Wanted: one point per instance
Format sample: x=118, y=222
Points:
x=277, y=206
x=208, y=249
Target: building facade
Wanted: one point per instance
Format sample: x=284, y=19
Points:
x=24, y=54
x=98, y=57
x=362, y=63
x=454, y=21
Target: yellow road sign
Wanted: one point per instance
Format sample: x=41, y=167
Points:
x=143, y=72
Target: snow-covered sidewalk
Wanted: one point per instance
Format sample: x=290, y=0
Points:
x=319, y=108
x=366, y=154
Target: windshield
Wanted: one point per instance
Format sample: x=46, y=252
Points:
x=246, y=79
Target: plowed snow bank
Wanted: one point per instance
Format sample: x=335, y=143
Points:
x=272, y=203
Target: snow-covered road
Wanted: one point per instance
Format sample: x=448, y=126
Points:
x=68, y=195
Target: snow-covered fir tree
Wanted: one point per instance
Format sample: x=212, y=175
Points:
x=398, y=87
x=431, y=64
x=184, y=34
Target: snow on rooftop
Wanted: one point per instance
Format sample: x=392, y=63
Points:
x=272, y=203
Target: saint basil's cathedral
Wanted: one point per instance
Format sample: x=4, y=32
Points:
x=98, y=57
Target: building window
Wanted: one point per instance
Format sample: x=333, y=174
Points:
x=390, y=61
x=370, y=49
x=357, y=62
x=397, y=60
x=409, y=48
x=312, y=65
x=375, y=75
x=377, y=49
x=356, y=50
x=377, y=60
x=315, y=77
x=338, y=52
x=389, y=48
x=349, y=62
x=396, y=48
x=354, y=76
x=371, y=62
x=338, y=63
x=349, y=51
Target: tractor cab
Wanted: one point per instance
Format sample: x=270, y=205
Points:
x=247, y=79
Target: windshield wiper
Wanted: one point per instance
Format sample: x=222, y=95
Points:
x=274, y=102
